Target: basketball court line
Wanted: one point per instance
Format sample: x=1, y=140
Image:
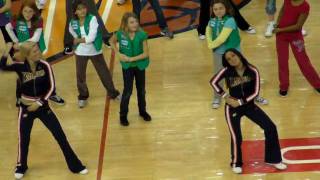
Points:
x=47, y=33
x=104, y=130
x=107, y=10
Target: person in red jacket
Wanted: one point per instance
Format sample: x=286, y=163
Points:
x=292, y=16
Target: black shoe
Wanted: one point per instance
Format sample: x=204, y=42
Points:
x=318, y=89
x=20, y=171
x=116, y=96
x=106, y=41
x=124, y=121
x=68, y=50
x=167, y=33
x=283, y=93
x=57, y=99
x=145, y=116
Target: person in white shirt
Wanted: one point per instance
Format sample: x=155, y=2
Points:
x=92, y=9
x=88, y=46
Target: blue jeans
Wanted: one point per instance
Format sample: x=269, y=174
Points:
x=271, y=7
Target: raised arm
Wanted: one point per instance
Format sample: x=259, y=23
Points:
x=214, y=82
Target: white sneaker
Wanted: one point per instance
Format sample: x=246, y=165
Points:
x=84, y=171
x=269, y=29
x=18, y=175
x=121, y=2
x=304, y=32
x=119, y=97
x=261, y=100
x=251, y=30
x=237, y=170
x=82, y=103
x=216, y=103
x=202, y=37
x=279, y=166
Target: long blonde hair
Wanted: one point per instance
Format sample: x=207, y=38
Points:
x=125, y=19
x=25, y=48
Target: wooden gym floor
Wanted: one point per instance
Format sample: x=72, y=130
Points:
x=187, y=140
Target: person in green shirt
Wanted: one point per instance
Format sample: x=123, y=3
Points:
x=134, y=58
x=222, y=33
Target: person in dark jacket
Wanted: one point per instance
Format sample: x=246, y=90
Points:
x=37, y=84
x=243, y=81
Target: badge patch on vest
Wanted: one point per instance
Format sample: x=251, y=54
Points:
x=124, y=42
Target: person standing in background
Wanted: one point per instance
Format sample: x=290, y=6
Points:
x=92, y=9
x=158, y=12
x=205, y=17
x=87, y=37
x=292, y=16
x=133, y=54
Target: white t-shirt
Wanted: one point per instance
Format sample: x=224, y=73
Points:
x=87, y=48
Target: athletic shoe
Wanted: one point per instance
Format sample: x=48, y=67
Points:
x=237, y=170
x=279, y=166
x=124, y=121
x=84, y=171
x=283, y=93
x=167, y=33
x=19, y=172
x=116, y=96
x=318, y=89
x=216, y=103
x=68, y=50
x=251, y=30
x=121, y=2
x=145, y=116
x=202, y=36
x=261, y=100
x=82, y=103
x=304, y=32
x=269, y=29
x=57, y=99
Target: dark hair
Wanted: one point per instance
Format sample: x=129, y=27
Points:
x=227, y=5
x=231, y=70
x=36, y=16
x=75, y=6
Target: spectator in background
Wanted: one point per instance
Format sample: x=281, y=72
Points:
x=271, y=10
x=157, y=10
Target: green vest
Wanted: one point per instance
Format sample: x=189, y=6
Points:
x=217, y=25
x=132, y=48
x=75, y=24
x=23, y=34
x=7, y=13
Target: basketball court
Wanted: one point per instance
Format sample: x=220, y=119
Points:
x=187, y=139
